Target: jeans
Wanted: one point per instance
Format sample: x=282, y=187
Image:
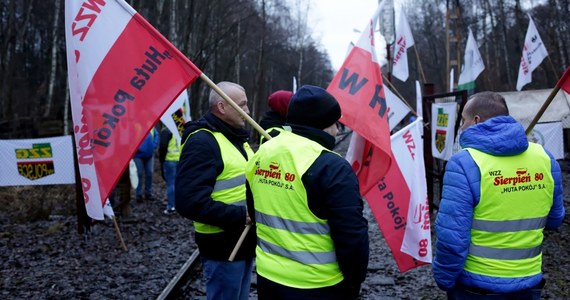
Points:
x=227, y=280
x=461, y=292
x=169, y=176
x=145, y=167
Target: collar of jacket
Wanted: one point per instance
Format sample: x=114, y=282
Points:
x=211, y=122
x=324, y=139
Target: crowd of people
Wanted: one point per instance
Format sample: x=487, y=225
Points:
x=292, y=210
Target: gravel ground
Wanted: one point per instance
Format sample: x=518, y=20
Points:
x=48, y=259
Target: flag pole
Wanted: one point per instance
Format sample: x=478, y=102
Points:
x=235, y=106
x=420, y=64
x=548, y=101
x=552, y=66
x=252, y=123
x=399, y=95
x=119, y=234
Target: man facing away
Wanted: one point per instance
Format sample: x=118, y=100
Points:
x=312, y=236
x=499, y=194
x=144, y=160
x=210, y=190
x=169, y=155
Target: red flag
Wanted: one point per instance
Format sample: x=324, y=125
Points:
x=123, y=75
x=359, y=90
x=564, y=82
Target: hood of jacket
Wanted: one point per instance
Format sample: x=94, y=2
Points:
x=499, y=136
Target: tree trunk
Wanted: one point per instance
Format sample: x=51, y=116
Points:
x=504, y=45
x=54, y=51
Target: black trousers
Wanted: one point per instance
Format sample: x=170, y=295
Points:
x=269, y=290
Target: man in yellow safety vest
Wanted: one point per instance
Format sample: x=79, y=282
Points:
x=312, y=237
x=499, y=194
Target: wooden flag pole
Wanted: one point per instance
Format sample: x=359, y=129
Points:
x=235, y=106
x=555, y=90
x=420, y=64
x=119, y=233
x=399, y=95
x=252, y=123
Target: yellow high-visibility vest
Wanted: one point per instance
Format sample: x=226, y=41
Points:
x=230, y=184
x=508, y=223
x=173, y=150
x=294, y=246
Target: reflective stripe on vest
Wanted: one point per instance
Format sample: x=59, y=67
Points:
x=290, y=237
x=230, y=184
x=173, y=150
x=508, y=223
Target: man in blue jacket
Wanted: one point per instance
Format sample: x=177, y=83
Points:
x=144, y=160
x=499, y=194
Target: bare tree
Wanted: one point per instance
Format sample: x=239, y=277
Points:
x=54, y=50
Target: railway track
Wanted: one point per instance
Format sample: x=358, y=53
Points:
x=174, y=289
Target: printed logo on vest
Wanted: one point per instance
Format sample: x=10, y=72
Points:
x=274, y=176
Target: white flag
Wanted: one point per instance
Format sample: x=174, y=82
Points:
x=417, y=237
x=533, y=54
x=174, y=117
x=444, y=116
x=108, y=209
x=472, y=62
x=404, y=40
x=397, y=109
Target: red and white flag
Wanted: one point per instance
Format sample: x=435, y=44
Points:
x=404, y=40
x=123, y=75
x=399, y=201
x=359, y=90
x=533, y=54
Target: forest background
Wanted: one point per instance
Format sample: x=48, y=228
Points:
x=262, y=45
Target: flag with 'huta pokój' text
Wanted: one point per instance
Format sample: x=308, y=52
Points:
x=359, y=89
x=533, y=54
x=123, y=75
x=399, y=201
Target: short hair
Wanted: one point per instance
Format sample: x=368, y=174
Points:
x=487, y=105
x=225, y=86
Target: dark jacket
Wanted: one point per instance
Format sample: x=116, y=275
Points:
x=165, y=136
x=200, y=163
x=333, y=194
x=269, y=120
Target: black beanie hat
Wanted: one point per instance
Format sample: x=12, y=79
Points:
x=313, y=106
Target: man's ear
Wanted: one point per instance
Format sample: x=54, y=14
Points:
x=221, y=107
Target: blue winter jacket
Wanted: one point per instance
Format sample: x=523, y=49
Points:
x=499, y=136
x=146, y=148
